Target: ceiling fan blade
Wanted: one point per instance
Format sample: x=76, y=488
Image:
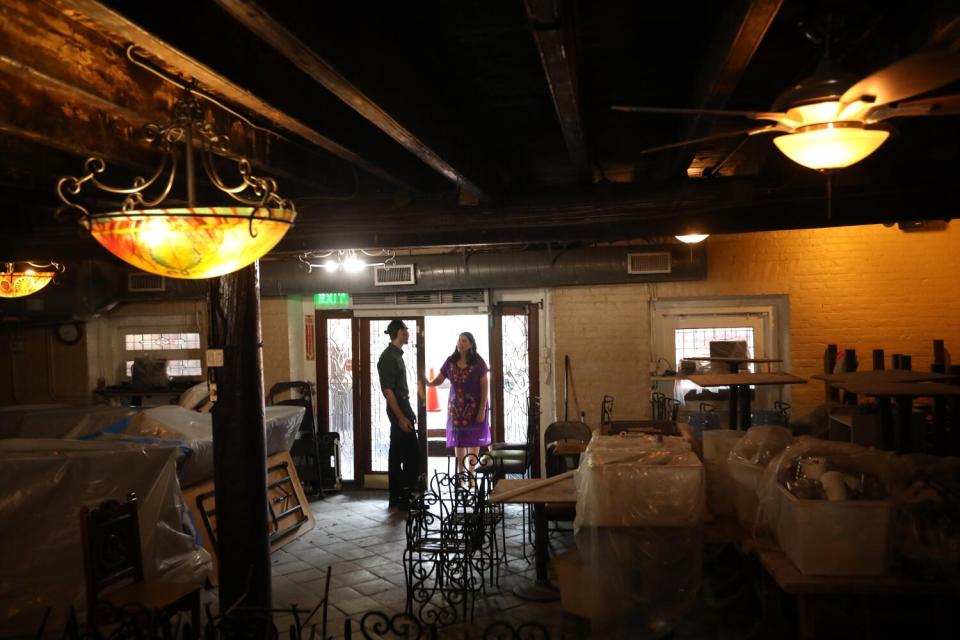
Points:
x=716, y=136
x=906, y=78
x=935, y=106
x=939, y=106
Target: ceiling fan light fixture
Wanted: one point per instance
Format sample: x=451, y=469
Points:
x=815, y=113
x=20, y=279
x=832, y=145
x=693, y=238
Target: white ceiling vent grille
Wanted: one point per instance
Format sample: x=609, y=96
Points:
x=143, y=282
x=394, y=275
x=647, y=263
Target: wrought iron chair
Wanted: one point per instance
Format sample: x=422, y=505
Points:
x=515, y=459
x=444, y=536
x=492, y=551
x=113, y=568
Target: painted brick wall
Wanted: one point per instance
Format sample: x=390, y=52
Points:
x=276, y=342
x=860, y=287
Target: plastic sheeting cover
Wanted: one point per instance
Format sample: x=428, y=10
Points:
x=640, y=488
x=761, y=444
x=640, y=536
x=172, y=424
x=52, y=421
x=46, y=484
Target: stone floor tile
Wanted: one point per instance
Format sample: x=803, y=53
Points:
x=353, y=577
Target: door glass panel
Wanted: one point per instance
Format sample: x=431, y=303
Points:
x=516, y=377
x=379, y=423
x=340, y=388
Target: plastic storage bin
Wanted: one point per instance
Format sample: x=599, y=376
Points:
x=746, y=479
x=844, y=538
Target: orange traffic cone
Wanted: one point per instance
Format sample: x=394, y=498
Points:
x=433, y=402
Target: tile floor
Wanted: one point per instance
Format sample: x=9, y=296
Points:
x=363, y=541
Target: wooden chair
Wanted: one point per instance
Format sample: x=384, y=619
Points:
x=113, y=567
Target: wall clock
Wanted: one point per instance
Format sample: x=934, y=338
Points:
x=69, y=332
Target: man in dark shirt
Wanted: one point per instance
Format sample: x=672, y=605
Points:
x=403, y=465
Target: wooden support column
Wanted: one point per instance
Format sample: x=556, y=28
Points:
x=239, y=447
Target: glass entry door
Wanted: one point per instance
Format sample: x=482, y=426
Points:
x=515, y=353
x=337, y=340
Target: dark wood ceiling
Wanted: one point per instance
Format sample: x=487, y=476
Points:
x=469, y=122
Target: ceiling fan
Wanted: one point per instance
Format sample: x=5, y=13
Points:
x=826, y=121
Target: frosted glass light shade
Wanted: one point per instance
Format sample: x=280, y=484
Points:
x=830, y=146
x=692, y=238
x=202, y=242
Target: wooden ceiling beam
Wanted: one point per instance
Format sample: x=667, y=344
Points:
x=738, y=36
x=553, y=33
x=277, y=36
x=728, y=206
x=56, y=114
x=122, y=31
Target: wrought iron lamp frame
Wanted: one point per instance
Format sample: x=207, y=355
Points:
x=189, y=128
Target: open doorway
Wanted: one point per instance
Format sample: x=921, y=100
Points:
x=442, y=332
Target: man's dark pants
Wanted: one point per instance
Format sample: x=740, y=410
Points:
x=403, y=465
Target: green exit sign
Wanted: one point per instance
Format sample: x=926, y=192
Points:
x=328, y=300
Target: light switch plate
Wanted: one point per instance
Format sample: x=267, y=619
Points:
x=214, y=357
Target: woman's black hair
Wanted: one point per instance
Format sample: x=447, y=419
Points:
x=471, y=354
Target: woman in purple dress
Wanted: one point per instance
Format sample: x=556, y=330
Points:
x=468, y=416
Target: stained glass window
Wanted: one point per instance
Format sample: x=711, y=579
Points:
x=695, y=343
x=176, y=368
x=516, y=377
x=161, y=341
x=340, y=389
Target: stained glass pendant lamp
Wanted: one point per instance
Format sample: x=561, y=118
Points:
x=189, y=242
x=19, y=279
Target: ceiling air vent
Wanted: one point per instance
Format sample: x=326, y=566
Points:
x=418, y=298
x=144, y=282
x=465, y=296
x=647, y=263
x=375, y=299
x=394, y=275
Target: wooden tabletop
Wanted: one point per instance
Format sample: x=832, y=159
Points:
x=733, y=379
x=883, y=375
x=902, y=389
x=729, y=359
x=790, y=580
x=562, y=491
x=568, y=447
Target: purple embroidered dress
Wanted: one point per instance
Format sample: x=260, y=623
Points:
x=463, y=430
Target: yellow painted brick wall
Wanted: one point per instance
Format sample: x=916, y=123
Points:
x=859, y=287
x=276, y=342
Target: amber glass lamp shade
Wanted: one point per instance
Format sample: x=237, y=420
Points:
x=17, y=283
x=830, y=146
x=195, y=243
